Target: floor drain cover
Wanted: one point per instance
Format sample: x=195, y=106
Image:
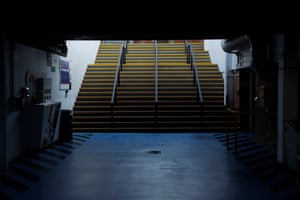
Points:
x=154, y=152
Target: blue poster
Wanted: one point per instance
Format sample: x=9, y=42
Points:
x=64, y=74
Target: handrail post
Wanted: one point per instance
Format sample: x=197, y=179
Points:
x=156, y=115
x=123, y=56
x=116, y=83
x=191, y=61
x=189, y=56
x=235, y=134
x=115, y=99
x=118, y=80
x=112, y=115
x=194, y=67
x=117, y=76
x=227, y=128
x=201, y=112
x=125, y=46
x=156, y=85
x=185, y=46
x=194, y=79
x=122, y=59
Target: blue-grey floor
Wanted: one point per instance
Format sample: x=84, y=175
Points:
x=118, y=166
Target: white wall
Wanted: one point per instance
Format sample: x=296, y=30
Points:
x=216, y=53
x=25, y=58
x=80, y=54
x=35, y=61
x=219, y=57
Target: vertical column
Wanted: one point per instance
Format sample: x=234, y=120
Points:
x=288, y=91
x=3, y=108
x=280, y=110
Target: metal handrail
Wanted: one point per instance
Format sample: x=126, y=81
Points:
x=121, y=60
x=156, y=72
x=125, y=46
x=191, y=60
x=186, y=46
x=196, y=77
x=156, y=84
x=235, y=113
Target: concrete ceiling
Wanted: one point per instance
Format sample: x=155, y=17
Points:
x=167, y=26
x=43, y=31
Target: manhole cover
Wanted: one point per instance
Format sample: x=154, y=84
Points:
x=154, y=152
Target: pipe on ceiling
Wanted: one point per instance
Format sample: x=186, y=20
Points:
x=236, y=45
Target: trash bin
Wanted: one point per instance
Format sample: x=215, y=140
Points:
x=66, y=131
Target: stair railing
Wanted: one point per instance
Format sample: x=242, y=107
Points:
x=121, y=61
x=156, y=83
x=232, y=114
x=191, y=60
x=187, y=51
x=125, y=46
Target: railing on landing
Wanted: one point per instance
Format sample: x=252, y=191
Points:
x=121, y=61
x=191, y=60
x=156, y=82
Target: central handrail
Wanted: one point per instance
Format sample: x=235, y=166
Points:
x=156, y=83
x=191, y=60
x=235, y=113
x=125, y=46
x=121, y=61
x=156, y=72
x=186, y=46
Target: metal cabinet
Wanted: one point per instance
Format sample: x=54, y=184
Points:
x=42, y=124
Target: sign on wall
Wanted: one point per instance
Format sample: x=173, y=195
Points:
x=64, y=72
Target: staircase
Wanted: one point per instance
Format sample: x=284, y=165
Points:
x=145, y=102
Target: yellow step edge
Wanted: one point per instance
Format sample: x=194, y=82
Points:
x=130, y=48
x=175, y=47
x=160, y=64
x=170, y=60
x=172, y=55
x=152, y=55
x=127, y=69
x=140, y=60
x=170, y=48
x=140, y=53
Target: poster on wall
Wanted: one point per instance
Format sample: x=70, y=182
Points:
x=64, y=71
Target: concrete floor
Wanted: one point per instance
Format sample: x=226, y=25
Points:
x=120, y=166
